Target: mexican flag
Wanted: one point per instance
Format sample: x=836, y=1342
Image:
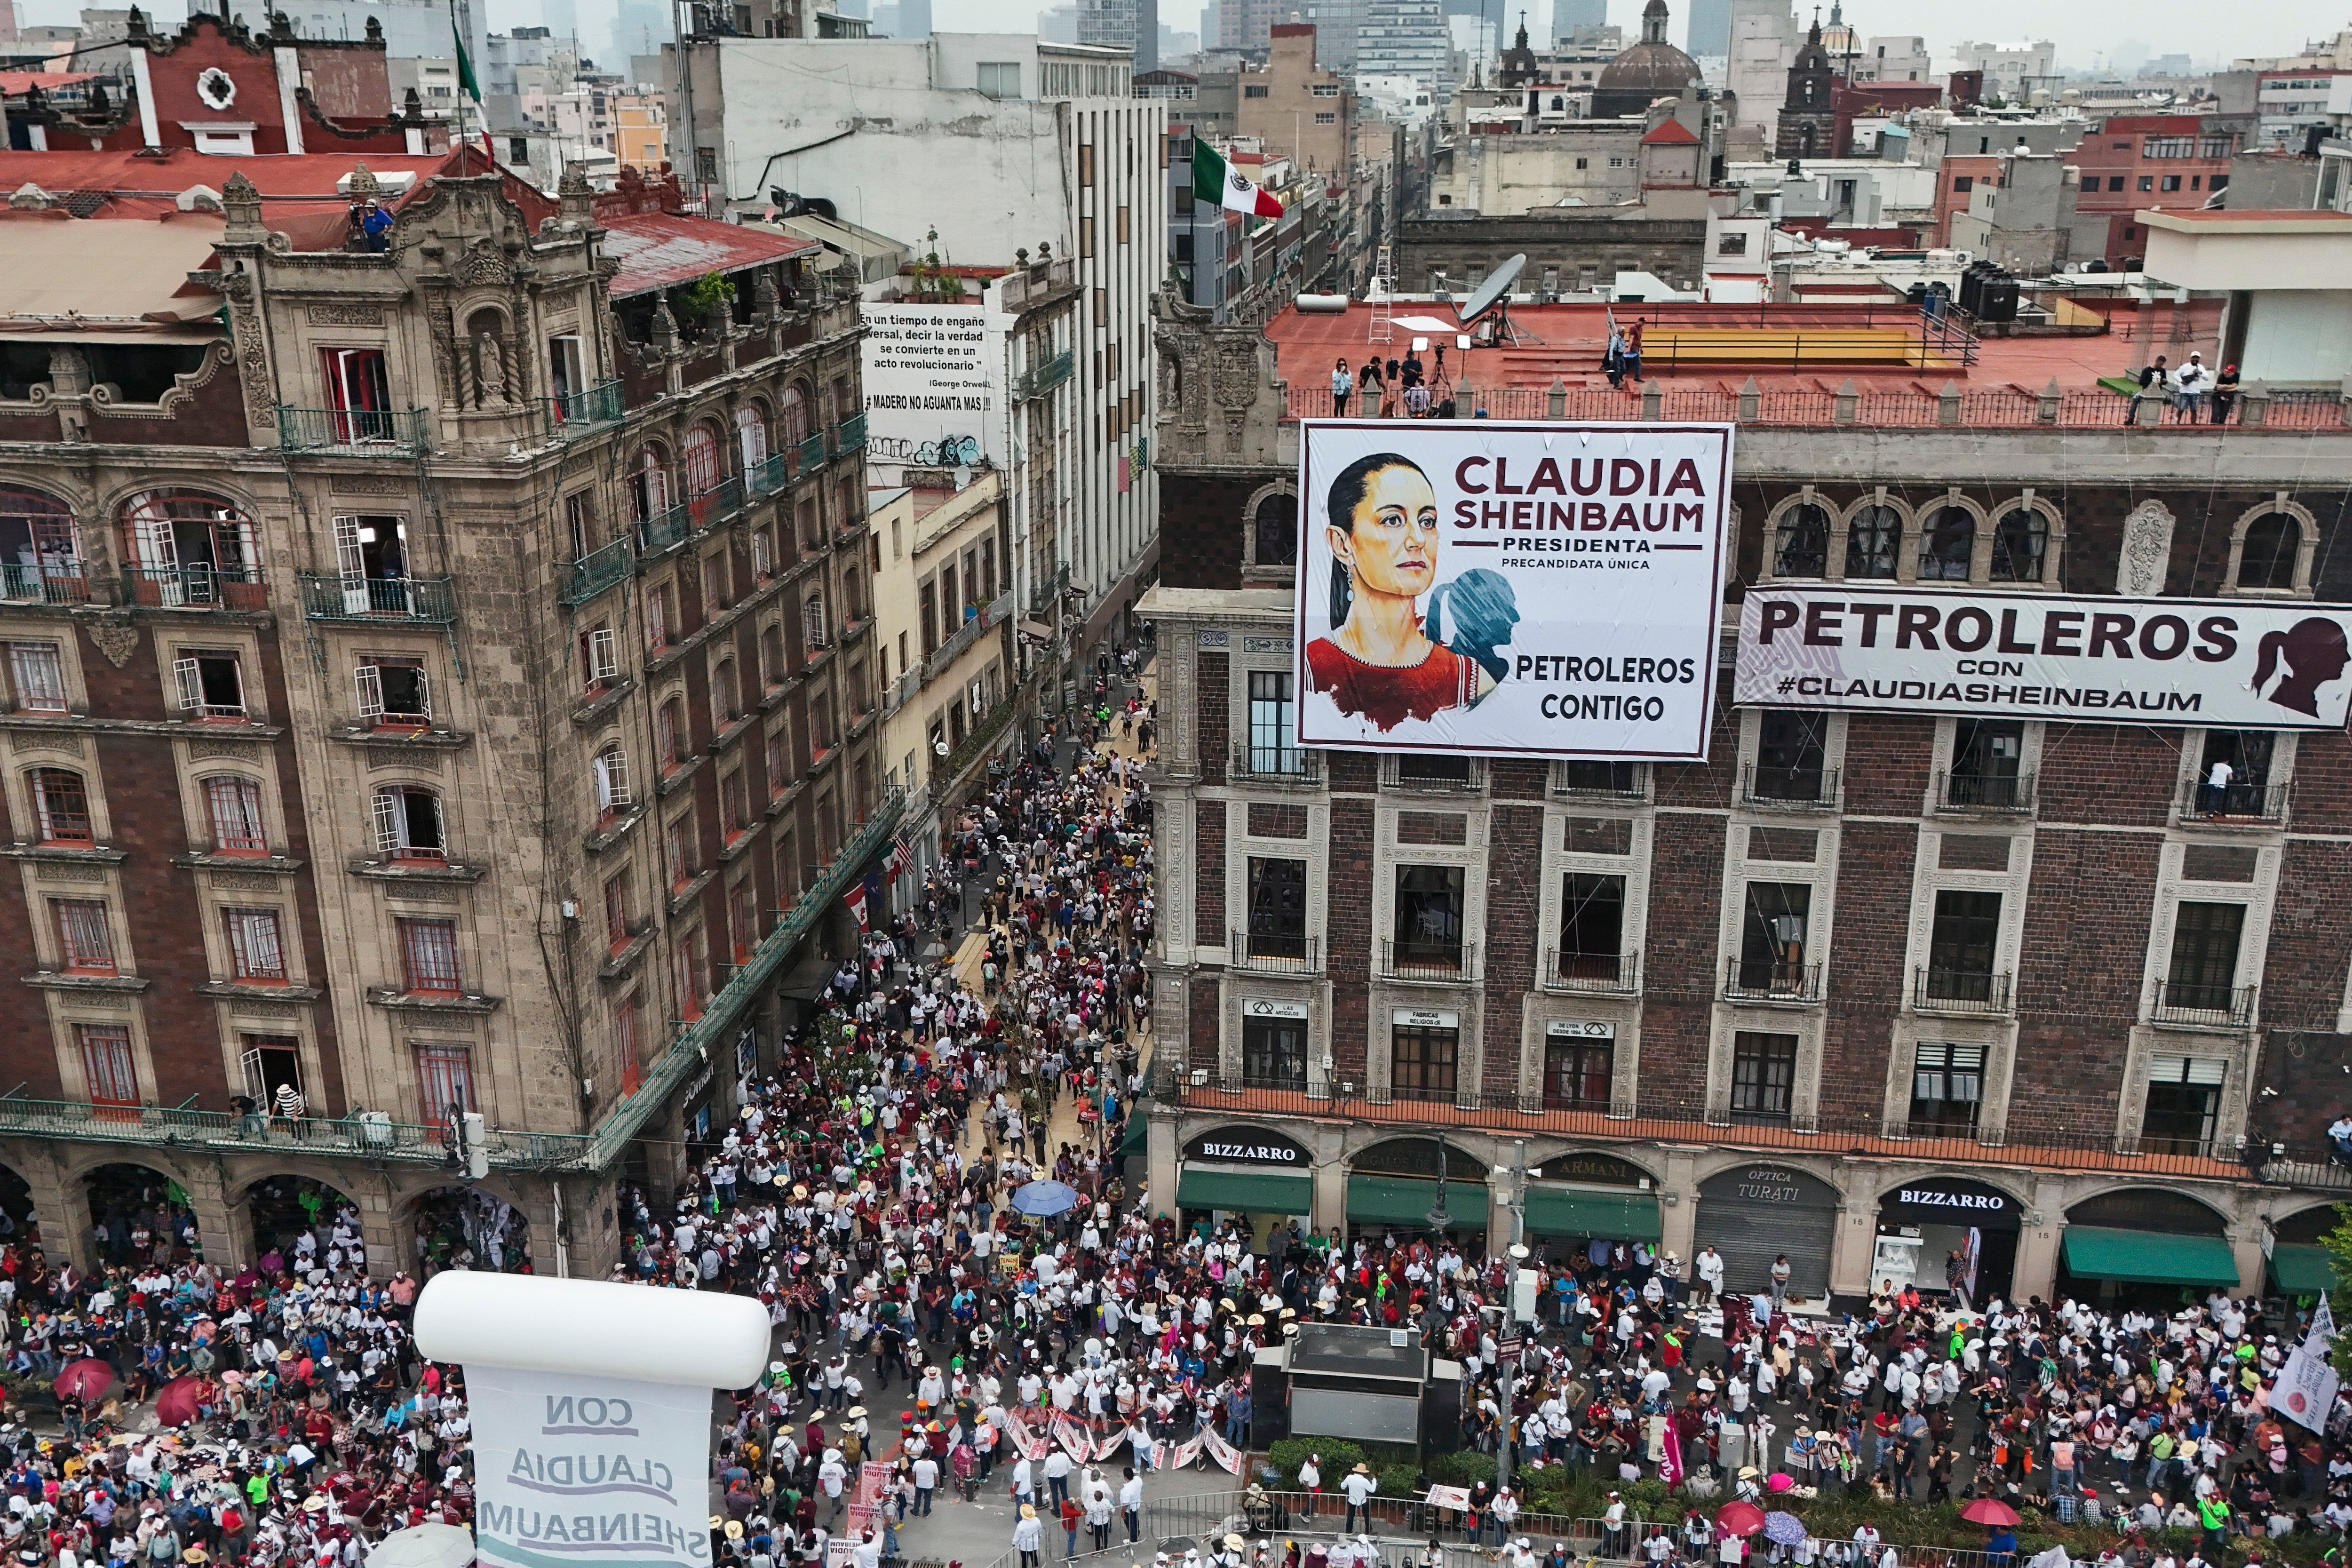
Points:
x=1213, y=180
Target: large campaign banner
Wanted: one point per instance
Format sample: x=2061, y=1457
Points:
x=1510, y=589
x=2097, y=658
x=584, y=1471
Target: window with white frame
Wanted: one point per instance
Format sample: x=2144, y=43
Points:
x=257, y=946
x=36, y=677
x=609, y=776
x=393, y=691
x=208, y=684
x=1947, y=1085
x=408, y=823
x=2184, y=1103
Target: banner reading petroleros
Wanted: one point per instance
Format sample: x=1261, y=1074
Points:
x=2230, y=663
x=1532, y=590
x=583, y=1471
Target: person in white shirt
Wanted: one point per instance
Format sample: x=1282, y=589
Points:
x=1360, y=1486
x=1028, y=1536
x=927, y=1480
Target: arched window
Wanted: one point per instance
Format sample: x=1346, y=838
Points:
x=40, y=552
x=2267, y=559
x=1948, y=545
x=61, y=807
x=1277, y=527
x=1800, y=548
x=673, y=735
x=2020, y=540
x=751, y=436
x=648, y=485
x=851, y=603
x=1873, y=542
x=234, y=805
x=189, y=550
x=726, y=697
x=698, y=456
x=812, y=621
x=793, y=416
x=608, y=774
x=408, y=823
x=772, y=669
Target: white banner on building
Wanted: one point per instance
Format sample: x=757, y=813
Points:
x=1509, y=589
x=931, y=375
x=2227, y=663
x=576, y=1470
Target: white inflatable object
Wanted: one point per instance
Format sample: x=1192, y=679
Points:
x=703, y=1337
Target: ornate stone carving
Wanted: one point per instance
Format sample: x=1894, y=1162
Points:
x=197, y=749
x=245, y=1009
x=407, y=761
x=490, y=370
x=63, y=743
x=369, y=485
x=115, y=636
x=484, y=264
x=327, y=314
x=243, y=882
x=69, y=873
x=1236, y=372
x=2148, y=550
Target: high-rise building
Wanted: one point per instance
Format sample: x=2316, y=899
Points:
x=1568, y=15
x=1130, y=24
x=1404, y=37
x=1710, y=29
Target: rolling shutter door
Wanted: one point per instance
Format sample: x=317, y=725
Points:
x=1752, y=1223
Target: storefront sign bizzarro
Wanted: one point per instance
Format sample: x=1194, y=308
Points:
x=2236, y=663
x=1248, y=1146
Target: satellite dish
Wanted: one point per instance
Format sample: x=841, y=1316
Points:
x=1495, y=291
x=940, y=747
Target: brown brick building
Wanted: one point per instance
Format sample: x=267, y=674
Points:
x=437, y=681
x=1862, y=989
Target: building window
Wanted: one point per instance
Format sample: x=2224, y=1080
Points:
x=1963, y=183
x=1323, y=118
x=1422, y=1060
x=37, y=677
x=1274, y=1053
x=235, y=806
x=2184, y=1101
x=446, y=1073
x=106, y=1071
x=660, y=616
x=1947, y=545
x=1277, y=908
x=208, y=685
x=2243, y=786
x=1946, y=1086
x=1591, y=926
x=1275, y=528
x=608, y=774
x=393, y=693
x=2147, y=181
x=1790, y=748
x=2019, y=540
x=671, y=734
x=648, y=490
x=1578, y=1070
x=257, y=946
x=1873, y=542
x=408, y=824
x=85, y=936
x=691, y=970
x=2171, y=183
x=2267, y=560
x=61, y=807
x=600, y=658
x=616, y=913
x=1987, y=754
x=1801, y=545
x=2203, y=975
x=1428, y=932
x=1274, y=747
x=429, y=956
x=1772, y=938
x=998, y=78
x=359, y=393
x=1601, y=778
x=742, y=921
x=1961, y=946
x=1763, y=1076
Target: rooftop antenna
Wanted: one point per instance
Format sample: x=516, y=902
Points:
x=1494, y=295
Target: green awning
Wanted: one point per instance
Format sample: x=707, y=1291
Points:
x=1245, y=1192
x=2146, y=1257
x=1405, y=1201
x=1138, y=1136
x=2302, y=1270
x=1577, y=1211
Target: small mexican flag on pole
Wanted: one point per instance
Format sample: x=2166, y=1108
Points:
x=1213, y=180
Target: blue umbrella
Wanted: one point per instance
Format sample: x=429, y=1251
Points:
x=1784, y=1529
x=1042, y=1198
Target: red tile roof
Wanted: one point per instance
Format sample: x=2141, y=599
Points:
x=1670, y=134
x=658, y=251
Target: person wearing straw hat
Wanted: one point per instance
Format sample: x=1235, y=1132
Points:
x=1028, y=1536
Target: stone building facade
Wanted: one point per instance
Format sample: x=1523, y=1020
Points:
x=2164, y=1010
x=452, y=694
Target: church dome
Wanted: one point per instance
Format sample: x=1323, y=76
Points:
x=1651, y=69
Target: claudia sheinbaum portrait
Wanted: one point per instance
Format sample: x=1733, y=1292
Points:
x=1386, y=659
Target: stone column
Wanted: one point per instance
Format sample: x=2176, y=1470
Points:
x=2036, y=1270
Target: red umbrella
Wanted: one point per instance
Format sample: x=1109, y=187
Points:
x=85, y=1379
x=1988, y=1511
x=176, y=1401
x=1739, y=1518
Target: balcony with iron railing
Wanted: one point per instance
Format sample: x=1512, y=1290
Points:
x=665, y=531
x=425, y=601
x=772, y=473
x=709, y=507
x=44, y=583
x=2198, y=1006
x=1984, y=792
x=809, y=455
x=374, y=432
x=849, y=436
x=1958, y=991
x=2234, y=804
x=197, y=586
x=583, y=579
x=1589, y=974
x=1042, y=378
x=1276, y=765
x=1770, y=981
x=1437, y=963
x=572, y=414
x=1812, y=789
x=1433, y=775
x=1274, y=952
